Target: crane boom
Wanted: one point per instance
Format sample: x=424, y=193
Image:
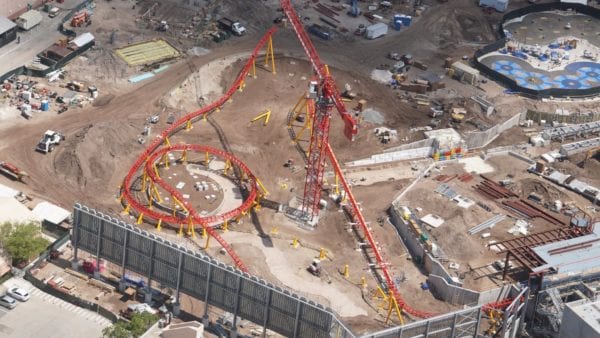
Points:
x=328, y=83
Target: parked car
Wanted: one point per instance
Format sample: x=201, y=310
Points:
x=8, y=302
x=19, y=294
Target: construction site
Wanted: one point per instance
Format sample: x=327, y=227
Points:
x=311, y=168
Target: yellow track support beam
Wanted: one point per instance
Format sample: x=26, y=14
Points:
x=254, y=68
x=264, y=190
x=167, y=142
x=327, y=70
x=140, y=218
x=144, y=179
x=346, y=271
x=156, y=194
x=264, y=115
x=126, y=210
x=363, y=282
x=206, y=159
x=274, y=230
x=158, y=225
x=156, y=170
x=190, y=228
x=165, y=160
x=242, y=85
x=295, y=243
x=225, y=226
x=270, y=55
x=188, y=125
x=322, y=254
x=337, y=185
x=183, y=158
x=180, y=232
x=393, y=307
x=227, y=167
x=150, y=202
x=204, y=233
x=207, y=240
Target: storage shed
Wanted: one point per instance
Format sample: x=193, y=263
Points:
x=464, y=72
x=8, y=31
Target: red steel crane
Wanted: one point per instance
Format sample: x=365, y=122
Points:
x=327, y=97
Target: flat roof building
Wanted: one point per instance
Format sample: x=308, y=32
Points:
x=581, y=319
x=8, y=31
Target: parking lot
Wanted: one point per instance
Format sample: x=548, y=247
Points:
x=39, y=315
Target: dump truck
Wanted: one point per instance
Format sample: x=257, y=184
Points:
x=376, y=30
x=50, y=139
x=232, y=26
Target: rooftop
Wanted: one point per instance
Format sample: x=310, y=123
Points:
x=589, y=312
x=571, y=255
x=5, y=24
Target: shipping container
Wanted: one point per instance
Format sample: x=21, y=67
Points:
x=29, y=19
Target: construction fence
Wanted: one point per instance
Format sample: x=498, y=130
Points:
x=202, y=277
x=573, y=118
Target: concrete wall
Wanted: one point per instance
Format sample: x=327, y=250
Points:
x=414, y=145
x=14, y=8
x=407, y=154
x=481, y=139
x=451, y=293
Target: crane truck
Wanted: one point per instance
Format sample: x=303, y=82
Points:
x=49, y=141
x=12, y=171
x=232, y=26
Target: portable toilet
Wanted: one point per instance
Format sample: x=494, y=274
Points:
x=45, y=105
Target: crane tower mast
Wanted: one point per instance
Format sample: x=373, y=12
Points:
x=327, y=98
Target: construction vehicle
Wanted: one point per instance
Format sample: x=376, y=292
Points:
x=163, y=27
x=232, y=26
x=75, y=86
x=588, y=155
x=49, y=141
x=315, y=267
x=12, y=171
x=458, y=114
x=53, y=12
x=81, y=18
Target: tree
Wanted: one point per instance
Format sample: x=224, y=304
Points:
x=118, y=330
x=22, y=240
x=137, y=326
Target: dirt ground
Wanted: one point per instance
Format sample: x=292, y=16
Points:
x=101, y=139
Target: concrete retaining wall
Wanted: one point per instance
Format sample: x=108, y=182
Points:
x=414, y=145
x=407, y=154
x=451, y=293
x=481, y=139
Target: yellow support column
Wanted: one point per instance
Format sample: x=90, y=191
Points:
x=274, y=230
x=206, y=159
x=158, y=225
x=363, y=282
x=180, y=232
x=183, y=158
x=270, y=55
x=242, y=85
x=156, y=194
x=190, y=226
x=188, y=125
x=225, y=226
x=144, y=178
x=227, y=167
x=295, y=243
x=254, y=68
x=165, y=160
x=322, y=254
x=393, y=306
x=346, y=271
x=327, y=70
x=264, y=190
x=204, y=232
x=150, y=202
x=167, y=142
x=156, y=170
x=207, y=241
x=140, y=218
x=337, y=185
x=126, y=210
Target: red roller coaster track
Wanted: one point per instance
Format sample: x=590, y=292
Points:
x=160, y=146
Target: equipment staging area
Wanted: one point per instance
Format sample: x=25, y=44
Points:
x=290, y=170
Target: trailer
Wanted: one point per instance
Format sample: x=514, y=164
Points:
x=12, y=171
x=377, y=30
x=29, y=19
x=319, y=31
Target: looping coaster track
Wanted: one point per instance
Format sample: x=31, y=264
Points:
x=148, y=161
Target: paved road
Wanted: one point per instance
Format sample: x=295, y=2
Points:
x=34, y=41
